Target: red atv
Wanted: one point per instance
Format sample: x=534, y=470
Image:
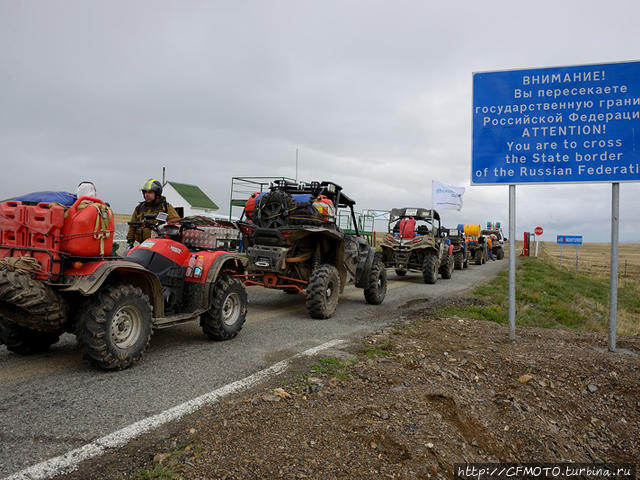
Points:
x=57, y=274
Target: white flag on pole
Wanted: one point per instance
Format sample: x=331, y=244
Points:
x=446, y=197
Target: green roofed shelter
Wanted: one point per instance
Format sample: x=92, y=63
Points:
x=188, y=199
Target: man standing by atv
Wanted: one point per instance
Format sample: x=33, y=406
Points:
x=153, y=203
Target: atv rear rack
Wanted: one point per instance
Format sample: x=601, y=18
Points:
x=271, y=280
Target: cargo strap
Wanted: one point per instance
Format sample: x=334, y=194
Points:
x=101, y=230
x=26, y=264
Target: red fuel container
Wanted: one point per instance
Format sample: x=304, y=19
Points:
x=13, y=231
x=83, y=234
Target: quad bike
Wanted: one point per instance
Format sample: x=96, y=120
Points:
x=294, y=244
x=417, y=242
x=57, y=275
x=477, y=250
x=494, y=230
x=460, y=257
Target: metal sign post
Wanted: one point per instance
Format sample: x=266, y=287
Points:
x=538, y=231
x=512, y=262
x=613, y=275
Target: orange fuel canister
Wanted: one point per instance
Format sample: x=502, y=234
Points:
x=472, y=229
x=325, y=206
x=45, y=222
x=88, y=228
x=250, y=205
x=13, y=229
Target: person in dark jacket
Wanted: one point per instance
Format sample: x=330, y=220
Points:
x=153, y=203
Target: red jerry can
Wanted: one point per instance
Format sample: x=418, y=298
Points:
x=88, y=228
x=407, y=227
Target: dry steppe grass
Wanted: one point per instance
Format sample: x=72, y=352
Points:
x=594, y=258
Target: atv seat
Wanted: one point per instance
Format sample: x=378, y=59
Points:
x=422, y=230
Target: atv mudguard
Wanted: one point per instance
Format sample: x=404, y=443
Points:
x=223, y=262
x=226, y=261
x=366, y=255
x=88, y=280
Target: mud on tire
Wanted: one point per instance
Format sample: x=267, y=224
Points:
x=115, y=327
x=376, y=291
x=30, y=303
x=25, y=341
x=478, y=257
x=228, y=310
x=323, y=291
x=430, y=269
x=458, y=260
x=446, y=270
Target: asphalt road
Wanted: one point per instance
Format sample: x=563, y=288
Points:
x=53, y=402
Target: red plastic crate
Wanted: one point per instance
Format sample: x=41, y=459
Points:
x=12, y=224
x=44, y=218
x=44, y=241
x=14, y=237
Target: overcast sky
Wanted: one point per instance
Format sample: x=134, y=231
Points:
x=376, y=95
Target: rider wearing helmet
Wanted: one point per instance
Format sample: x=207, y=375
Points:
x=153, y=203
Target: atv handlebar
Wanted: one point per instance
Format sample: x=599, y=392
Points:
x=156, y=222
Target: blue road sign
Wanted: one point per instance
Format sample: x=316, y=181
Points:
x=557, y=125
x=569, y=240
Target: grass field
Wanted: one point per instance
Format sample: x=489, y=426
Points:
x=594, y=258
x=549, y=296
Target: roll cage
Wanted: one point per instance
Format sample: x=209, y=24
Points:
x=427, y=215
x=331, y=190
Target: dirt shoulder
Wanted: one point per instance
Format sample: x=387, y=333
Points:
x=418, y=398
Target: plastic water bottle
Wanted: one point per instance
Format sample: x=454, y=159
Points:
x=191, y=265
x=197, y=272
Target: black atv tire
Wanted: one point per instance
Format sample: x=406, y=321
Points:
x=401, y=273
x=430, y=269
x=446, y=270
x=478, y=257
x=323, y=291
x=272, y=210
x=115, y=327
x=500, y=253
x=376, y=291
x=228, y=310
x=458, y=260
x=465, y=264
x=30, y=303
x=25, y=341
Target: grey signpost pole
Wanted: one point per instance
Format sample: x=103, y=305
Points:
x=613, y=275
x=512, y=262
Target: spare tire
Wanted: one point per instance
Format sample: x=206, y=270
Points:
x=272, y=210
x=30, y=303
